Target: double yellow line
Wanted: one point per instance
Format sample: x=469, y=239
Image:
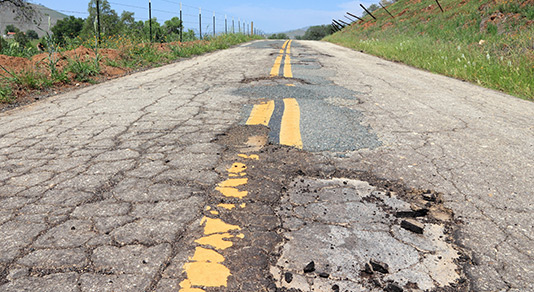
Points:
x=285, y=51
x=290, y=125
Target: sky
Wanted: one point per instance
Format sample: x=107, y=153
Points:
x=268, y=16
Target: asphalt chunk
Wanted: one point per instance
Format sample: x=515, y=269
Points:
x=288, y=277
x=379, y=267
x=309, y=267
x=412, y=226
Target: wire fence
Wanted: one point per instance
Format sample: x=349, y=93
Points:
x=202, y=22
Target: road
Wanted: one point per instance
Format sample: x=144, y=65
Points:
x=271, y=166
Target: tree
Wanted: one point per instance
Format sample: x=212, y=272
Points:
x=109, y=20
x=127, y=20
x=279, y=36
x=69, y=27
x=22, y=39
x=11, y=28
x=32, y=34
x=173, y=25
x=317, y=32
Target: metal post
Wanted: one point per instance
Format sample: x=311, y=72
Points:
x=181, y=23
x=200, y=21
x=233, y=25
x=98, y=19
x=369, y=12
x=441, y=8
x=239, y=25
x=225, y=25
x=150, y=17
x=244, y=27
x=252, y=27
x=214, y=23
x=387, y=10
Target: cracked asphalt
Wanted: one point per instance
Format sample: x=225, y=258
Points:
x=407, y=181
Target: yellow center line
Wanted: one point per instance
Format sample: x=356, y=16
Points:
x=287, y=67
x=285, y=44
x=276, y=67
x=290, y=126
x=288, y=51
x=261, y=114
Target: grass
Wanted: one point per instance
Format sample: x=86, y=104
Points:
x=464, y=42
x=84, y=70
x=134, y=54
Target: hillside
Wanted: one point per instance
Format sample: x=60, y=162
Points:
x=487, y=42
x=41, y=20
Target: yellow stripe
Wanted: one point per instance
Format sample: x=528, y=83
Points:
x=261, y=114
x=276, y=67
x=290, y=127
x=289, y=47
x=285, y=44
x=287, y=67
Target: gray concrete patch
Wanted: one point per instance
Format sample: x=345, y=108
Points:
x=344, y=226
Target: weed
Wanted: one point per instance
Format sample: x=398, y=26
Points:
x=6, y=94
x=83, y=70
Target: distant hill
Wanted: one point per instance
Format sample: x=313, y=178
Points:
x=7, y=16
x=294, y=33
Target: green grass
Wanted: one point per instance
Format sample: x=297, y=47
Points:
x=6, y=94
x=134, y=55
x=84, y=70
x=463, y=42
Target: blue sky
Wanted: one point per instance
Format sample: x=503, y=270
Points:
x=269, y=16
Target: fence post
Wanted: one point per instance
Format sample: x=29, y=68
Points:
x=181, y=23
x=98, y=19
x=225, y=24
x=252, y=27
x=368, y=12
x=233, y=25
x=150, y=17
x=200, y=21
x=440, y=6
x=386, y=10
x=214, y=23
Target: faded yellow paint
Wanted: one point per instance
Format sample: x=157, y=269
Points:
x=276, y=67
x=208, y=208
x=290, y=85
x=233, y=182
x=290, y=126
x=216, y=241
x=186, y=287
x=288, y=51
x=217, y=226
x=227, y=206
x=285, y=44
x=207, y=274
x=243, y=205
x=261, y=113
x=213, y=212
x=232, y=192
x=281, y=51
x=237, y=168
x=287, y=67
x=206, y=255
x=252, y=156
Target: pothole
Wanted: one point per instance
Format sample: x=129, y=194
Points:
x=358, y=237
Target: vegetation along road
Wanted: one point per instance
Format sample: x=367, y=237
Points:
x=270, y=166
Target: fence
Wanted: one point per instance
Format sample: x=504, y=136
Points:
x=339, y=24
x=202, y=22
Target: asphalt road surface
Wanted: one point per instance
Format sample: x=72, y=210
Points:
x=271, y=166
